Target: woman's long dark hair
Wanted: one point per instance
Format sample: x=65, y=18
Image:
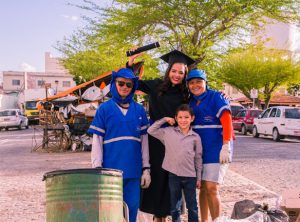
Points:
x=166, y=84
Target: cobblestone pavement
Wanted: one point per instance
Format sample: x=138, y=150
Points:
x=22, y=193
x=235, y=188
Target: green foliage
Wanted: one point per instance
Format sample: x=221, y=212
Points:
x=294, y=88
x=91, y=63
x=195, y=27
x=258, y=68
x=203, y=29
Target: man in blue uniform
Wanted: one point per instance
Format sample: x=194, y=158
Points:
x=120, y=139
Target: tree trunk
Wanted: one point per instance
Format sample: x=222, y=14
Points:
x=267, y=101
x=258, y=103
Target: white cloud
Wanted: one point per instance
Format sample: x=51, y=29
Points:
x=71, y=17
x=27, y=68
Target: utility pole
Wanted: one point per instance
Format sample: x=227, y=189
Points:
x=45, y=136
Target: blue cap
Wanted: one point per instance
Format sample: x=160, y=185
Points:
x=196, y=73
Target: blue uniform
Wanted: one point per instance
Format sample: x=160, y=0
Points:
x=121, y=133
x=122, y=146
x=121, y=136
x=208, y=108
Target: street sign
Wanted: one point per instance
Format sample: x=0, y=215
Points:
x=253, y=93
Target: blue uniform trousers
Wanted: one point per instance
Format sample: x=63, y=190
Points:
x=131, y=196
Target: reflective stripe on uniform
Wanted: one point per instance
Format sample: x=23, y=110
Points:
x=97, y=129
x=145, y=127
x=206, y=126
x=122, y=138
x=220, y=110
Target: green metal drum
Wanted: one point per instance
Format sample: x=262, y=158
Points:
x=85, y=195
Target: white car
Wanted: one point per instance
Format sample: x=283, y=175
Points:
x=12, y=118
x=279, y=122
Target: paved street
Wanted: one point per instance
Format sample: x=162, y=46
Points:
x=274, y=165
x=261, y=170
x=22, y=193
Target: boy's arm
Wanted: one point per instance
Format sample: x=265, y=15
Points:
x=198, y=157
x=97, y=151
x=156, y=131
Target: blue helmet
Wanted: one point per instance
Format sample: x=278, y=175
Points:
x=196, y=73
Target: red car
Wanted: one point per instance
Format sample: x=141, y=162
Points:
x=243, y=121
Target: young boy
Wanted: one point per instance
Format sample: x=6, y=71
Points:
x=183, y=160
x=120, y=139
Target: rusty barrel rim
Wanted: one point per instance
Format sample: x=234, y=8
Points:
x=98, y=170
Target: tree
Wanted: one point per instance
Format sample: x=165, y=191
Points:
x=86, y=57
x=200, y=28
x=258, y=68
x=294, y=88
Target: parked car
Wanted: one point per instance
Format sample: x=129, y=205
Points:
x=243, y=121
x=12, y=118
x=235, y=108
x=279, y=122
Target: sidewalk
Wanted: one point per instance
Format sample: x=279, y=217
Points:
x=22, y=193
x=235, y=188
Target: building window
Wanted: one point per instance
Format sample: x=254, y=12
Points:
x=16, y=82
x=40, y=82
x=66, y=84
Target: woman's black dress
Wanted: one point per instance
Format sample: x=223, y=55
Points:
x=156, y=199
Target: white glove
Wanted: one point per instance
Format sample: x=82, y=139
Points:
x=225, y=153
x=146, y=179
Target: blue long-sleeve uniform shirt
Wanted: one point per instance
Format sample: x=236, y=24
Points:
x=208, y=111
x=121, y=136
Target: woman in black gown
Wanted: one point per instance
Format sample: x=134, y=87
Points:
x=164, y=97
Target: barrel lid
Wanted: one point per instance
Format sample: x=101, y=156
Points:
x=98, y=170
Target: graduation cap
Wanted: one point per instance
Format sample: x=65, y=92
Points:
x=176, y=56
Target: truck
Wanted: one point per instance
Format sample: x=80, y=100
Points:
x=8, y=101
x=28, y=103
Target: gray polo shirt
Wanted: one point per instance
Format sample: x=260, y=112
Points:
x=183, y=155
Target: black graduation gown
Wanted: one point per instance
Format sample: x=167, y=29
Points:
x=156, y=199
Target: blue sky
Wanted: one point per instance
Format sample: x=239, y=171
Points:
x=29, y=28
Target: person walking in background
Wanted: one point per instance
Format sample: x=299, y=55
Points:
x=214, y=125
x=183, y=160
x=120, y=139
x=164, y=98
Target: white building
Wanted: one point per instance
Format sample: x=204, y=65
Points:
x=55, y=75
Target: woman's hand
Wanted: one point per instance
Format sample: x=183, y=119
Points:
x=198, y=184
x=133, y=57
x=170, y=120
x=225, y=154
